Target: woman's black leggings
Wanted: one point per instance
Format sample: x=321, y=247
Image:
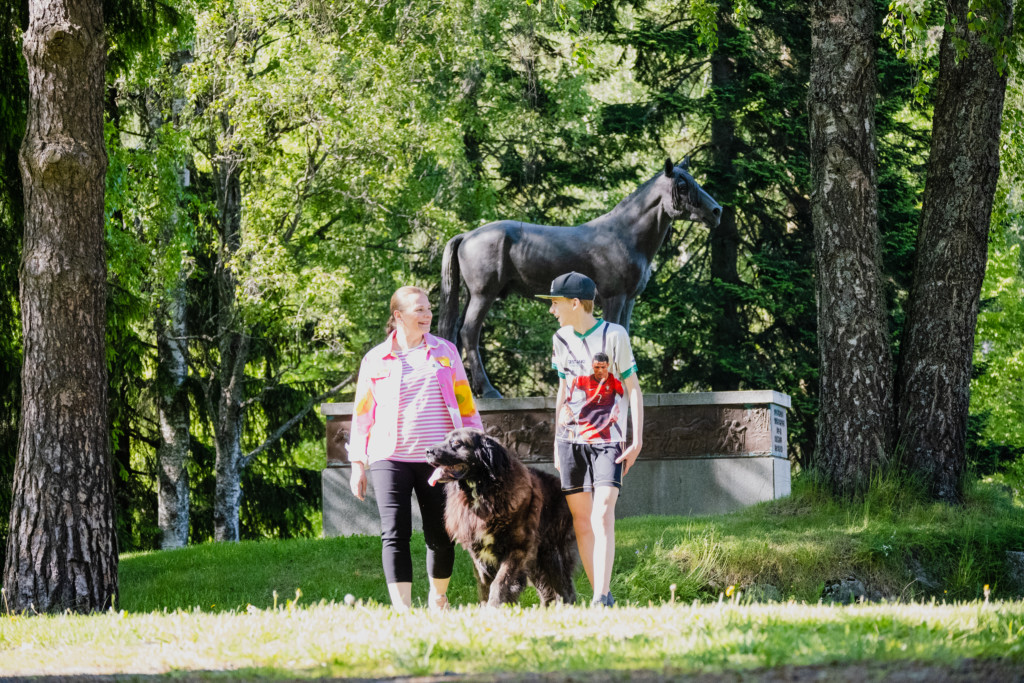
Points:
x=393, y=485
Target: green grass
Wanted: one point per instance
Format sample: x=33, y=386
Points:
x=790, y=548
x=334, y=640
x=900, y=548
x=729, y=592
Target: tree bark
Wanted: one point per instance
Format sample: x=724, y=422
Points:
x=727, y=334
x=174, y=418
x=856, y=382
x=62, y=550
x=952, y=250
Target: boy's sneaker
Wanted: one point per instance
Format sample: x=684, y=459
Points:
x=605, y=600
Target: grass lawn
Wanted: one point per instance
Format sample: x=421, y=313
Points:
x=360, y=641
x=727, y=593
x=794, y=548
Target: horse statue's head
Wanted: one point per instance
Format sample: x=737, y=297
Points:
x=689, y=200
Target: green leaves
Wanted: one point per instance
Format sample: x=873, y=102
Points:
x=910, y=27
x=705, y=16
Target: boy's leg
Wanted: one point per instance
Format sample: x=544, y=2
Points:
x=577, y=475
x=607, y=480
x=581, y=506
x=603, y=525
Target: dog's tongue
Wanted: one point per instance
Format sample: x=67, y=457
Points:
x=436, y=476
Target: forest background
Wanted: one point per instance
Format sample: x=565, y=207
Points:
x=277, y=170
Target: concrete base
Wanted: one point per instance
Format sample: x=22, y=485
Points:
x=346, y=515
x=696, y=486
x=701, y=486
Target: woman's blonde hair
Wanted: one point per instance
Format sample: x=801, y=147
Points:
x=397, y=299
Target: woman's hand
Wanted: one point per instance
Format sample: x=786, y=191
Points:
x=358, y=480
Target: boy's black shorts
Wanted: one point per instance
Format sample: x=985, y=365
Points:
x=585, y=466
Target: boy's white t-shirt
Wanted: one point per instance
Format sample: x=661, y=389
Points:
x=595, y=406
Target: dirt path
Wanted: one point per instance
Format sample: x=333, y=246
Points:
x=994, y=671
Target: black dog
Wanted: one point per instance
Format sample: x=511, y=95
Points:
x=513, y=520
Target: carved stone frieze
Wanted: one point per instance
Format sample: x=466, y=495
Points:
x=673, y=429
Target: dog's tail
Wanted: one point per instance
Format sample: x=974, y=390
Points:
x=450, y=286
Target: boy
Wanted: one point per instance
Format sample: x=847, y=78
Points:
x=596, y=377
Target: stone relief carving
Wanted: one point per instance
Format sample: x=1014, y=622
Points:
x=670, y=432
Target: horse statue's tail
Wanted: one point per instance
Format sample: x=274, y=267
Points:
x=450, y=285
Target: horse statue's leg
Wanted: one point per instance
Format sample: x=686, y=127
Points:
x=612, y=308
x=627, y=313
x=476, y=309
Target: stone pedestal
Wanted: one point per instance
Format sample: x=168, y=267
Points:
x=704, y=453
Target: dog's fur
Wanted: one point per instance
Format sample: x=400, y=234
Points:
x=513, y=520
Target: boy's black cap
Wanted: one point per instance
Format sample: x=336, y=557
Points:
x=572, y=286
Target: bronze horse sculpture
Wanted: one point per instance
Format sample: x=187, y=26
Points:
x=615, y=250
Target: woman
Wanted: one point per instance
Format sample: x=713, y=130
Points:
x=412, y=391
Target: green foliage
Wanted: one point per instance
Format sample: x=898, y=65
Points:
x=996, y=440
x=903, y=128
x=134, y=26
x=908, y=28
x=13, y=112
x=998, y=388
x=366, y=134
x=914, y=28
x=711, y=317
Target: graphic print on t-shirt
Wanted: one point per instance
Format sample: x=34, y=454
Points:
x=597, y=398
x=593, y=366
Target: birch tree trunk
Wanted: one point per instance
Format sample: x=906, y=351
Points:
x=170, y=325
x=234, y=354
x=856, y=382
x=62, y=549
x=952, y=250
x=174, y=418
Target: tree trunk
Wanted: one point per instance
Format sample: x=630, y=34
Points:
x=171, y=327
x=952, y=250
x=856, y=383
x=727, y=333
x=174, y=418
x=62, y=550
x=234, y=354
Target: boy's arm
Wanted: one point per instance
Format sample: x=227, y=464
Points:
x=559, y=402
x=636, y=413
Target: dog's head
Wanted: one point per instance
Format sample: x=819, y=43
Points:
x=468, y=455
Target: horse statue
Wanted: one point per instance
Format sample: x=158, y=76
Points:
x=615, y=250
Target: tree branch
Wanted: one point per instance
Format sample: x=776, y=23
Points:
x=283, y=429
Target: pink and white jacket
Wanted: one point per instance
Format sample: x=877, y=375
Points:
x=374, y=433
